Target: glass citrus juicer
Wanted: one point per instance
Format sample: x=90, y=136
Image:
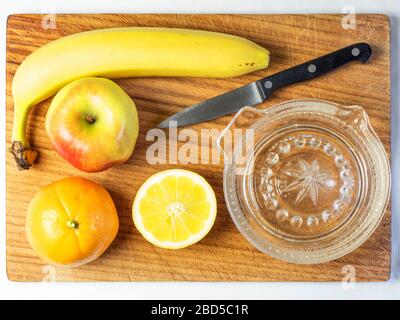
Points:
x=306, y=181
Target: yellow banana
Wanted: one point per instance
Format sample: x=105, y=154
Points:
x=124, y=52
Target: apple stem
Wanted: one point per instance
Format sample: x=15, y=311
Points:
x=73, y=224
x=91, y=119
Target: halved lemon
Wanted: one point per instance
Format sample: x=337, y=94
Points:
x=174, y=208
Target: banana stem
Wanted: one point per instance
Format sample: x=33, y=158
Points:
x=23, y=154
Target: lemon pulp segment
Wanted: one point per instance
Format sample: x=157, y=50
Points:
x=174, y=208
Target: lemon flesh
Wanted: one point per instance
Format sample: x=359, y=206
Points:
x=174, y=209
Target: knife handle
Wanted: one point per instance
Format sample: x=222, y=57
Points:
x=316, y=67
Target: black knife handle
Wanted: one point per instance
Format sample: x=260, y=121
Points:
x=315, y=68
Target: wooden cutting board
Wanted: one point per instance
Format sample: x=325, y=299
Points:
x=224, y=255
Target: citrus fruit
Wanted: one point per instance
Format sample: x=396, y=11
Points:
x=71, y=222
x=174, y=208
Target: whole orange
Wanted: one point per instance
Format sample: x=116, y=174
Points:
x=71, y=222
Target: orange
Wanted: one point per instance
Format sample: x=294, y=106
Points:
x=71, y=222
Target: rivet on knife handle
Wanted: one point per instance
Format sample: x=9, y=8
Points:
x=257, y=92
x=316, y=67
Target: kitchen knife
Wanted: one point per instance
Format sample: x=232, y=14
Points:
x=257, y=92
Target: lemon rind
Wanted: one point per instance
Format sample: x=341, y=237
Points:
x=158, y=177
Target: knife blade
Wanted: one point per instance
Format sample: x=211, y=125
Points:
x=259, y=91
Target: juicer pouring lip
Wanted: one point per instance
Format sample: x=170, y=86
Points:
x=311, y=193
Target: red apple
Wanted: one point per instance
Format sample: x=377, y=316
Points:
x=93, y=124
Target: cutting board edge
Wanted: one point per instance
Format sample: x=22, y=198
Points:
x=387, y=275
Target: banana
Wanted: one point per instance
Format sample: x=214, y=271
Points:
x=120, y=53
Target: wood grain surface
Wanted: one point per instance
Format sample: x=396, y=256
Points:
x=224, y=255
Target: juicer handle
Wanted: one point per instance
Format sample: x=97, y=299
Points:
x=226, y=129
x=315, y=68
x=238, y=135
